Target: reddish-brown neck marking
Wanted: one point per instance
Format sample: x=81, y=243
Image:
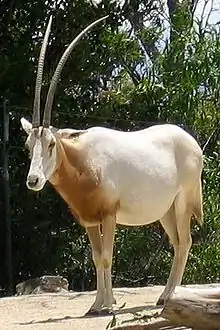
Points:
x=80, y=186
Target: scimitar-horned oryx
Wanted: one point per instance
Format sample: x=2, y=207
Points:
x=110, y=177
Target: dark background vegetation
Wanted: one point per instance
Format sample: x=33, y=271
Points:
x=151, y=62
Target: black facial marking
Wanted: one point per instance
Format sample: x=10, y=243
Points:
x=51, y=146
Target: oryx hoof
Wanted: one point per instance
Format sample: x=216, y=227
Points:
x=102, y=312
x=160, y=302
x=92, y=312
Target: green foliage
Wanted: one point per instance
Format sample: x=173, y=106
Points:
x=120, y=76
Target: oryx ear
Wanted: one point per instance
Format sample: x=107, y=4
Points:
x=68, y=133
x=26, y=125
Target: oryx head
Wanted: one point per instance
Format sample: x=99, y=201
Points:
x=42, y=141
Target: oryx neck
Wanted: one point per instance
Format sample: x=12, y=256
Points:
x=70, y=162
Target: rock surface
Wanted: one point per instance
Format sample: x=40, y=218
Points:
x=42, y=284
x=65, y=311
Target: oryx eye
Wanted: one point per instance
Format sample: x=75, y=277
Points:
x=51, y=146
x=26, y=146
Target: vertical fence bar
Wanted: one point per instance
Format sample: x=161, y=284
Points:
x=8, y=249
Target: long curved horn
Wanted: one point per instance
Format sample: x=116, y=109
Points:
x=36, y=107
x=58, y=71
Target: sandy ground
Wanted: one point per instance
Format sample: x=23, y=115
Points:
x=67, y=311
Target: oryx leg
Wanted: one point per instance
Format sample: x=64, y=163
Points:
x=108, y=229
x=102, y=251
x=176, y=223
x=95, y=238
